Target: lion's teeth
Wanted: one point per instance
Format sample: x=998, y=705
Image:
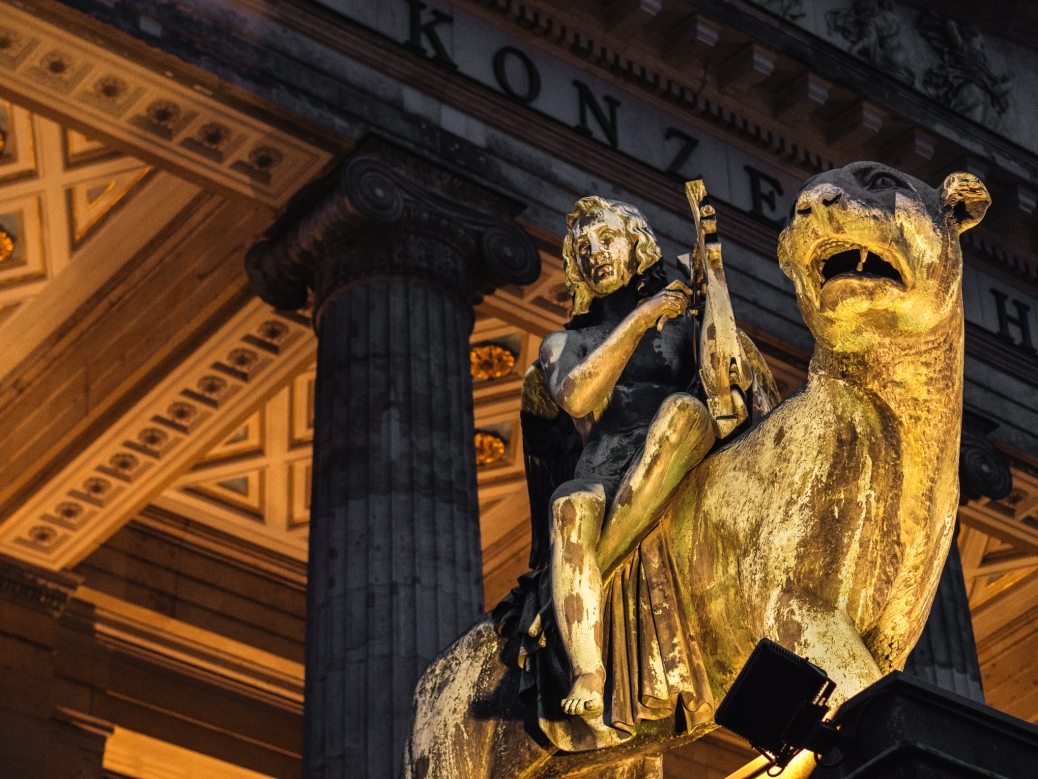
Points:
x=864, y=254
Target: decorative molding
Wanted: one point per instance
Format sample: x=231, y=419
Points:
x=1013, y=519
x=139, y=455
x=83, y=722
x=1019, y=269
x=190, y=130
x=991, y=566
x=37, y=588
x=790, y=10
x=228, y=548
x=130, y=628
x=136, y=756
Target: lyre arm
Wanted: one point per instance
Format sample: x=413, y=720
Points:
x=724, y=370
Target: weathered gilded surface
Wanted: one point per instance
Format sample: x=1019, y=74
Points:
x=825, y=526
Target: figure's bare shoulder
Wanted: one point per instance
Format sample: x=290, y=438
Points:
x=554, y=346
x=560, y=353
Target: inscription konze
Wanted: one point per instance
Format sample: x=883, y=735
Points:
x=434, y=34
x=452, y=39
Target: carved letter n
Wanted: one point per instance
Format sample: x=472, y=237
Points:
x=588, y=101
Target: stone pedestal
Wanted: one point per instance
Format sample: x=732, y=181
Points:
x=902, y=728
x=395, y=258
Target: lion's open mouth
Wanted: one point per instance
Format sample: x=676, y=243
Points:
x=857, y=262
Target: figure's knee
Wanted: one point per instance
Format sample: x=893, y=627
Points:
x=577, y=505
x=681, y=417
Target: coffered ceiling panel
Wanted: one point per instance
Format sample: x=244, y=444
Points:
x=249, y=474
x=56, y=187
x=185, y=126
x=256, y=482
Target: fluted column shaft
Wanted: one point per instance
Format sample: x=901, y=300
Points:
x=946, y=654
x=395, y=257
x=395, y=566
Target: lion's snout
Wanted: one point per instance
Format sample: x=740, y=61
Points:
x=814, y=201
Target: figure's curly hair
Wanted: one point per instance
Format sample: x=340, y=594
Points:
x=646, y=250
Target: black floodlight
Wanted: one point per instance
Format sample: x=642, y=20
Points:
x=777, y=703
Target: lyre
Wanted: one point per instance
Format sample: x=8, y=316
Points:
x=724, y=370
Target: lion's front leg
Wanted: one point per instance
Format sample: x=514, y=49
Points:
x=827, y=637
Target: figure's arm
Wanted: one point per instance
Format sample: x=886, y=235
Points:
x=581, y=383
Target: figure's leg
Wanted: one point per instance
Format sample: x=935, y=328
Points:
x=576, y=587
x=680, y=436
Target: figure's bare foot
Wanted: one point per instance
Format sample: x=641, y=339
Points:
x=585, y=698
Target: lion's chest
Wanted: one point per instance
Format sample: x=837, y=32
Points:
x=807, y=502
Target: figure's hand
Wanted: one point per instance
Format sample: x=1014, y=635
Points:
x=668, y=303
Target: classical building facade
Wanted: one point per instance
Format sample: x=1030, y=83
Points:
x=263, y=261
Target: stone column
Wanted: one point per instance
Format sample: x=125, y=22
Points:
x=946, y=654
x=394, y=257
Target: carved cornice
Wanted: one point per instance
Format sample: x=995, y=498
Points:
x=870, y=82
x=1000, y=354
x=37, y=588
x=1015, y=268
x=394, y=213
x=163, y=640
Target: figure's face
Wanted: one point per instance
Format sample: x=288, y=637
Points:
x=873, y=253
x=604, y=251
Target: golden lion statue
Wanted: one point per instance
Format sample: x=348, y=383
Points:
x=824, y=526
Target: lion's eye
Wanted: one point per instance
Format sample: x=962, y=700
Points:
x=883, y=181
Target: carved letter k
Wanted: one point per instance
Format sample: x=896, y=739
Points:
x=440, y=55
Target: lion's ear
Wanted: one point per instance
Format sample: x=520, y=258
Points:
x=966, y=197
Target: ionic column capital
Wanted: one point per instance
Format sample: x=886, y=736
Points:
x=394, y=213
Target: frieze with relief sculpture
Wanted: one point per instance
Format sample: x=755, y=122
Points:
x=670, y=537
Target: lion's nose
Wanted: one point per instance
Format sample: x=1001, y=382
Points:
x=817, y=198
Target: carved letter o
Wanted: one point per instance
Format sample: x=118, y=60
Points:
x=533, y=78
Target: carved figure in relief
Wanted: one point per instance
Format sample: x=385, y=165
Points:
x=824, y=526
x=791, y=10
x=873, y=30
x=963, y=78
